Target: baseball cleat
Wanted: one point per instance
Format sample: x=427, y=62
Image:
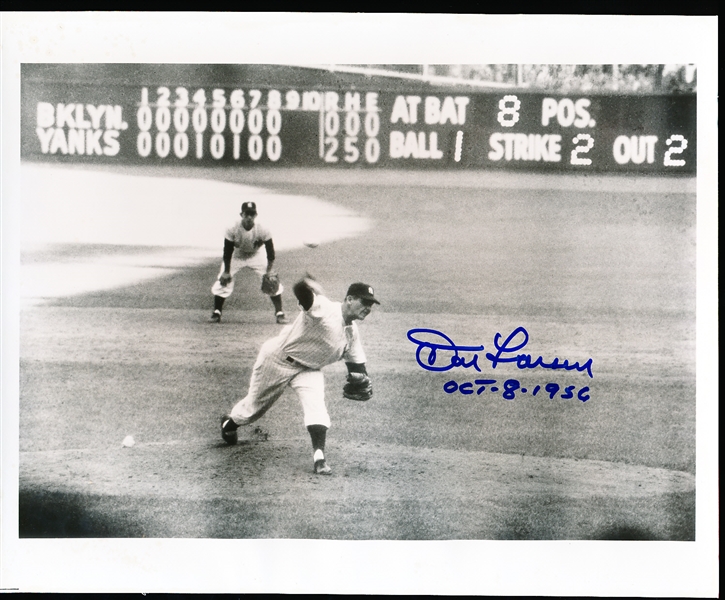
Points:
x=229, y=430
x=322, y=468
x=281, y=319
x=216, y=317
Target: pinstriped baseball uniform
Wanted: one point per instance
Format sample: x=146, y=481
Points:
x=247, y=253
x=316, y=338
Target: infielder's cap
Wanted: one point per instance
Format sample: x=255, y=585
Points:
x=362, y=291
x=249, y=208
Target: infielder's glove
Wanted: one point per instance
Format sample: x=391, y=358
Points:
x=358, y=387
x=225, y=279
x=270, y=284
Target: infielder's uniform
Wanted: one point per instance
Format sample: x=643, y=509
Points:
x=242, y=249
x=247, y=253
x=318, y=337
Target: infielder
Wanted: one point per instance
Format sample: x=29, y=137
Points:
x=323, y=333
x=242, y=244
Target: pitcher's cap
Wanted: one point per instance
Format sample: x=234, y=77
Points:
x=249, y=208
x=362, y=291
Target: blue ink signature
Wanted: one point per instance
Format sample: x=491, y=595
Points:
x=455, y=361
x=508, y=347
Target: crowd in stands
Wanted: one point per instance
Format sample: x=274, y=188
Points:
x=627, y=79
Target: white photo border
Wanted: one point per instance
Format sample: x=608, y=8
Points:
x=506, y=568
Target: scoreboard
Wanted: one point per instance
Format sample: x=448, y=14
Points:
x=350, y=127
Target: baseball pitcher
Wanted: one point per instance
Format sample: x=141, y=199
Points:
x=323, y=333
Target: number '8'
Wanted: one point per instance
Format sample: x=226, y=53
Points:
x=509, y=389
x=508, y=116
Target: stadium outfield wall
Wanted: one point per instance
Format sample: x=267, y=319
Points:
x=282, y=116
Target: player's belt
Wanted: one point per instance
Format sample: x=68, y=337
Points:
x=296, y=363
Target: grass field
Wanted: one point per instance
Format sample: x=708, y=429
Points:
x=592, y=269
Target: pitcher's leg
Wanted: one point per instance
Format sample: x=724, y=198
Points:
x=270, y=375
x=310, y=388
x=309, y=385
x=259, y=399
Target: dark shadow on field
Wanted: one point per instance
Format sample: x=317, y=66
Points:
x=657, y=518
x=45, y=514
x=76, y=515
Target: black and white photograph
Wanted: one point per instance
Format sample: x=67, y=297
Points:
x=283, y=319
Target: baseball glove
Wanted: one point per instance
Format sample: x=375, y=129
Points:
x=270, y=284
x=225, y=279
x=358, y=387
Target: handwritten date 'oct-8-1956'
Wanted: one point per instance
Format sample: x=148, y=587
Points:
x=511, y=386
